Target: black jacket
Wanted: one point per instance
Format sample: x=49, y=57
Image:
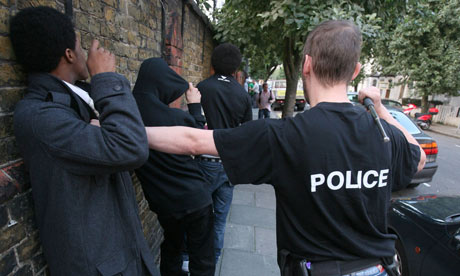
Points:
x=84, y=200
x=173, y=184
x=225, y=102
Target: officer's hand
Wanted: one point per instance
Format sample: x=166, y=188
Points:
x=100, y=60
x=371, y=92
x=192, y=95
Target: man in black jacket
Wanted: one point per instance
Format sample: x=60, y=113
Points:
x=85, y=204
x=332, y=172
x=226, y=105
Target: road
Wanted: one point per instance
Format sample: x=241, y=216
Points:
x=446, y=181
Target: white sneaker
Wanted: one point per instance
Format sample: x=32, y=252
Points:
x=185, y=266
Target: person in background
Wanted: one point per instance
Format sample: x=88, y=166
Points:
x=174, y=185
x=226, y=105
x=264, y=101
x=256, y=92
x=85, y=204
x=332, y=172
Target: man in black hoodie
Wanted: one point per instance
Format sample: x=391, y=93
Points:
x=174, y=185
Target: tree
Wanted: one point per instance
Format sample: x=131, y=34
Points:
x=425, y=48
x=238, y=23
x=285, y=25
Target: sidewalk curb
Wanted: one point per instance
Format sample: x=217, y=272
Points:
x=444, y=133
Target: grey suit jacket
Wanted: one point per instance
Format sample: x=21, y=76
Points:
x=84, y=200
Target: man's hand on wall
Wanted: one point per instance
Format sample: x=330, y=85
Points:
x=100, y=60
x=192, y=95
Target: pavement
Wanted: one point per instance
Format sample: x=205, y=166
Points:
x=445, y=130
x=250, y=234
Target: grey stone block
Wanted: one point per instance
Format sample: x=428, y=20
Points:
x=255, y=188
x=265, y=241
x=242, y=197
x=239, y=237
x=252, y=216
x=241, y=263
x=266, y=200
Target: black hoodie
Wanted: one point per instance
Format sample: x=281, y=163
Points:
x=173, y=184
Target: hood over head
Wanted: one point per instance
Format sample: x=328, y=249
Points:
x=156, y=78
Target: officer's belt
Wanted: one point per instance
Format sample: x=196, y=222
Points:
x=208, y=158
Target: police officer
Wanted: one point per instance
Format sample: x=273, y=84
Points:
x=332, y=172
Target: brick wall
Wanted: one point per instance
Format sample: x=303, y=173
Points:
x=132, y=29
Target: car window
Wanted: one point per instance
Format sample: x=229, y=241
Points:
x=353, y=97
x=405, y=121
x=391, y=103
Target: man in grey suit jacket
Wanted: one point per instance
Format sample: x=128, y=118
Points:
x=85, y=204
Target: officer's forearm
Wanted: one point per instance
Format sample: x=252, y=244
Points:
x=181, y=140
x=384, y=114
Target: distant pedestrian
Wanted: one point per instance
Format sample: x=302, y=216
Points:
x=254, y=93
x=264, y=101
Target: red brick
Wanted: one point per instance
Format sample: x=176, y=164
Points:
x=8, y=187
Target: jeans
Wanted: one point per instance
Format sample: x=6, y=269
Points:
x=264, y=113
x=197, y=226
x=222, y=195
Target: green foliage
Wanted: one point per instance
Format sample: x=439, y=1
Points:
x=424, y=47
x=274, y=32
x=204, y=5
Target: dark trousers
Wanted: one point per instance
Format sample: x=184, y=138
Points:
x=198, y=227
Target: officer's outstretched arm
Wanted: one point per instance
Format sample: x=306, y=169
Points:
x=181, y=140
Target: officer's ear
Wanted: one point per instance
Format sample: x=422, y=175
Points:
x=357, y=70
x=306, y=66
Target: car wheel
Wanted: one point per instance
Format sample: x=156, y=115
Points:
x=400, y=259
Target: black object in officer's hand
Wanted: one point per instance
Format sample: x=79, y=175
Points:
x=369, y=104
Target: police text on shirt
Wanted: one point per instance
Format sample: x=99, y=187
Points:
x=337, y=180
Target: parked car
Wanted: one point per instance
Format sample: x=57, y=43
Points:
x=428, y=235
x=353, y=97
x=428, y=144
x=392, y=103
x=279, y=90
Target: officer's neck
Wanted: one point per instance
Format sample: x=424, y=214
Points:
x=318, y=93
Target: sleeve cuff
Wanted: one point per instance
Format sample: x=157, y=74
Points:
x=108, y=84
x=194, y=108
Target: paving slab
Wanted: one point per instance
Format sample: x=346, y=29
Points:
x=265, y=200
x=239, y=237
x=241, y=263
x=253, y=216
x=244, y=197
x=265, y=241
x=255, y=188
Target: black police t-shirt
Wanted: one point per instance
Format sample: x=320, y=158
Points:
x=332, y=176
